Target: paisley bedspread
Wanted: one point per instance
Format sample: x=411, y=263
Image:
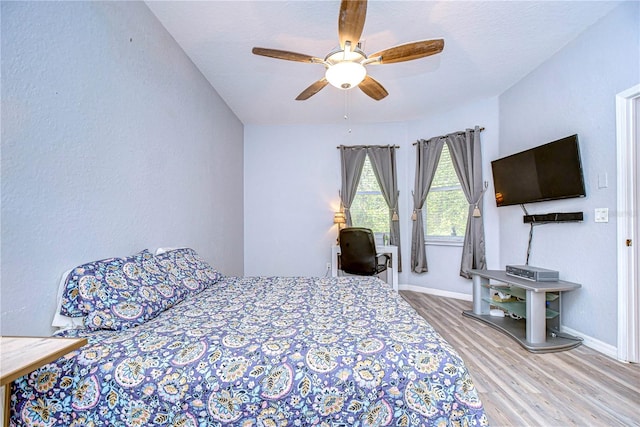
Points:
x=262, y=351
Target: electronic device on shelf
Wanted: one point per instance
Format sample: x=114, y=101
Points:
x=553, y=217
x=535, y=274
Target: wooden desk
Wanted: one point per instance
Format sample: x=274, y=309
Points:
x=392, y=273
x=20, y=356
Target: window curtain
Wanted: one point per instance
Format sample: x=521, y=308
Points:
x=383, y=162
x=352, y=161
x=427, y=158
x=467, y=162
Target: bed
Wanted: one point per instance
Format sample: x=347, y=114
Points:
x=172, y=342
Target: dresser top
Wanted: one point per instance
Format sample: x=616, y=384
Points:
x=22, y=355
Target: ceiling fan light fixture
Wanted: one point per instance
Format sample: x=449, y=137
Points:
x=345, y=65
x=346, y=75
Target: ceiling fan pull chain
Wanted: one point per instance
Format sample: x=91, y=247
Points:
x=346, y=106
x=346, y=110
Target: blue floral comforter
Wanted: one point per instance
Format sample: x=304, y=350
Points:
x=260, y=352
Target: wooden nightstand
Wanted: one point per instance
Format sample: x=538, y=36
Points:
x=21, y=355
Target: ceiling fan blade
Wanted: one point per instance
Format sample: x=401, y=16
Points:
x=409, y=51
x=312, y=90
x=351, y=21
x=371, y=87
x=284, y=54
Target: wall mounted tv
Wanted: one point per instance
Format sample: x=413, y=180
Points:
x=547, y=172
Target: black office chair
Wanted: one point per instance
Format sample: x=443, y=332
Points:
x=358, y=252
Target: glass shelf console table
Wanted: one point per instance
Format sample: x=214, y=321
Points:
x=536, y=306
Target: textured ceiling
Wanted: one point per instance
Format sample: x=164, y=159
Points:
x=489, y=46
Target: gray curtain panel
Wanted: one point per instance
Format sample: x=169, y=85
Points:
x=383, y=162
x=467, y=162
x=427, y=158
x=351, y=161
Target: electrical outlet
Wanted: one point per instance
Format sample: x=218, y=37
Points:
x=328, y=265
x=601, y=215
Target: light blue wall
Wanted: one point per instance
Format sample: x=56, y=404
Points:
x=574, y=92
x=292, y=178
x=112, y=141
x=444, y=261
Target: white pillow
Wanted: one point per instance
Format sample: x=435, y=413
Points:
x=61, y=321
x=163, y=250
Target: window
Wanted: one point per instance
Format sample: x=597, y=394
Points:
x=446, y=207
x=369, y=209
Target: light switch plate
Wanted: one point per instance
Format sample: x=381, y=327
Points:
x=602, y=215
x=603, y=181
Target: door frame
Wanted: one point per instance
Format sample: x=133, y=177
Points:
x=627, y=226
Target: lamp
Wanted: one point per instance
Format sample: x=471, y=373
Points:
x=340, y=219
x=345, y=69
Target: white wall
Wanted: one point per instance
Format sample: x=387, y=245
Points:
x=292, y=178
x=112, y=141
x=574, y=92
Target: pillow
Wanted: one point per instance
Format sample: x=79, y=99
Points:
x=61, y=321
x=86, y=286
x=205, y=273
x=117, y=293
x=187, y=271
x=163, y=250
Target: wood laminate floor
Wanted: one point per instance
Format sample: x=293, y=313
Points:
x=578, y=387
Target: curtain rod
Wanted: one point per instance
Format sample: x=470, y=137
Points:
x=368, y=146
x=461, y=132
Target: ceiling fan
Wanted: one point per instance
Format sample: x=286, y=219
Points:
x=345, y=66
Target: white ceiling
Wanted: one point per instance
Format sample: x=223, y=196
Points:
x=489, y=46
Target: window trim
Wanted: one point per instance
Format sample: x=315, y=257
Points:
x=369, y=193
x=444, y=241
x=446, y=188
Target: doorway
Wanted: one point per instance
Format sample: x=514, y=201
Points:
x=628, y=237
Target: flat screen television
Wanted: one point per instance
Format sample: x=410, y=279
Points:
x=547, y=172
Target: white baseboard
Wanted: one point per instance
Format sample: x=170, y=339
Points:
x=597, y=345
x=436, y=292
